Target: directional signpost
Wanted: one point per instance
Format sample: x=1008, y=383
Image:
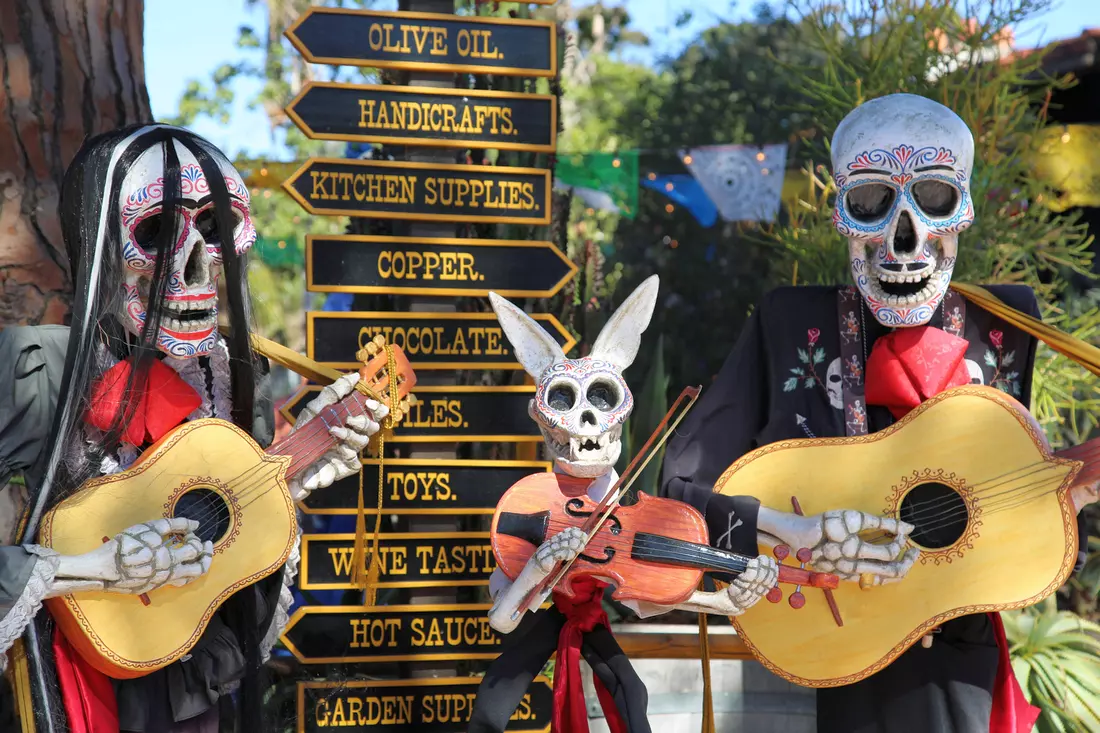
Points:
x=440, y=705
x=429, y=340
x=443, y=117
x=435, y=266
x=422, y=557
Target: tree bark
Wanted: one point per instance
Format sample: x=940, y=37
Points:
x=68, y=69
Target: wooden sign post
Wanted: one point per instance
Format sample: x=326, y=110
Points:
x=426, y=559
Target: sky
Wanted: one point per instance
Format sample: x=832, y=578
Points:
x=210, y=29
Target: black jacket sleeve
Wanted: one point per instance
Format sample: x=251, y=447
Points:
x=721, y=427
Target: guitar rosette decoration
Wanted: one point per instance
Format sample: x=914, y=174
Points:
x=902, y=167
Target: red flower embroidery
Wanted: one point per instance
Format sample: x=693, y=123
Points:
x=997, y=338
x=813, y=334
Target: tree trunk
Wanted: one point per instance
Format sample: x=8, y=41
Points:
x=69, y=69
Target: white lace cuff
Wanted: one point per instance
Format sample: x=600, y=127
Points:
x=286, y=600
x=30, y=600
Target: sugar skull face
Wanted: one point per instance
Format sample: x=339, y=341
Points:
x=580, y=405
x=188, y=325
x=902, y=167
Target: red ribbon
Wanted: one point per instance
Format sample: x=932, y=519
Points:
x=910, y=365
x=583, y=613
x=905, y=368
x=87, y=693
x=163, y=402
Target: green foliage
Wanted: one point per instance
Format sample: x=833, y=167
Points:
x=1056, y=658
x=650, y=405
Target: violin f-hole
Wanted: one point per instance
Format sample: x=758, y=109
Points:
x=573, y=508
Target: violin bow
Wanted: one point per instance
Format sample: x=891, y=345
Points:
x=611, y=499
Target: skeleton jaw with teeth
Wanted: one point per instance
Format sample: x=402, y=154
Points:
x=580, y=405
x=902, y=167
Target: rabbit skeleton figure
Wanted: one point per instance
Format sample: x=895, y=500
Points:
x=580, y=406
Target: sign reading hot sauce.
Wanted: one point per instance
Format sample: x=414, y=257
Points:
x=426, y=41
x=438, y=705
x=413, y=116
x=422, y=191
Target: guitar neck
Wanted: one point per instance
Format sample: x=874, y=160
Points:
x=312, y=440
x=1087, y=453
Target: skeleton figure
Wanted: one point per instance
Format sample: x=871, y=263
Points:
x=902, y=168
x=154, y=218
x=580, y=405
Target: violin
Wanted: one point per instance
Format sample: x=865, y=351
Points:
x=654, y=551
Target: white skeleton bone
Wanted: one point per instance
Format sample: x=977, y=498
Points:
x=137, y=560
x=580, y=406
x=342, y=460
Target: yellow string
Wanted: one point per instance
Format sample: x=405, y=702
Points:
x=704, y=653
x=21, y=685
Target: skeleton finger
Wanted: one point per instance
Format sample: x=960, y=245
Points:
x=379, y=409
x=189, y=551
x=363, y=425
x=207, y=556
x=350, y=439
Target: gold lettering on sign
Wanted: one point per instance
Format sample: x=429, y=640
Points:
x=440, y=341
x=411, y=116
x=364, y=187
x=346, y=711
x=452, y=631
x=392, y=560
x=413, y=485
x=398, y=265
x=474, y=194
x=368, y=633
x=442, y=414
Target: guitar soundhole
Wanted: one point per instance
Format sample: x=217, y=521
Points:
x=209, y=509
x=938, y=513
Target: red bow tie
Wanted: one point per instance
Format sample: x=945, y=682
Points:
x=910, y=365
x=163, y=402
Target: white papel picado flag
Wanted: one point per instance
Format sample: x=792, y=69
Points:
x=743, y=181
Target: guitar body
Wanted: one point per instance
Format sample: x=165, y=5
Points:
x=206, y=469
x=972, y=471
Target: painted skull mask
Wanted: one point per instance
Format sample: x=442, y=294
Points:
x=188, y=326
x=902, y=166
x=580, y=405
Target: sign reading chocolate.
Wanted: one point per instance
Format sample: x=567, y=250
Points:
x=426, y=41
x=429, y=340
x=421, y=116
x=352, y=634
x=406, y=560
x=350, y=263
x=424, y=486
x=446, y=414
x=385, y=189
x=438, y=705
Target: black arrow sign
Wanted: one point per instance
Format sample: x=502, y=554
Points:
x=425, y=486
x=454, y=414
x=429, y=340
x=441, y=117
x=386, y=189
x=441, y=266
x=426, y=42
x=440, y=705
x=351, y=634
x=406, y=560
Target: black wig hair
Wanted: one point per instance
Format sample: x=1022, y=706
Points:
x=90, y=216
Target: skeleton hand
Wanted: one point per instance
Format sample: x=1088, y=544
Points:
x=562, y=547
x=341, y=460
x=1084, y=494
x=137, y=560
x=759, y=577
x=838, y=548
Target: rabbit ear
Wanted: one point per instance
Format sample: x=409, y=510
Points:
x=534, y=348
x=620, y=339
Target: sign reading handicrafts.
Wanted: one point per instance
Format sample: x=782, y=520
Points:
x=440, y=705
x=352, y=634
x=424, y=486
x=421, y=116
x=385, y=189
x=453, y=414
x=351, y=263
x=429, y=340
x=406, y=560
x=426, y=41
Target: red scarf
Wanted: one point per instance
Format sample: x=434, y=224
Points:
x=583, y=614
x=905, y=368
x=163, y=403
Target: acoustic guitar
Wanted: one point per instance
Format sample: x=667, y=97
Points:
x=211, y=471
x=971, y=470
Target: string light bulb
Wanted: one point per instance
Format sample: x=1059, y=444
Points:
x=668, y=186
x=263, y=171
x=764, y=171
x=616, y=163
x=760, y=156
x=652, y=176
x=687, y=160
x=674, y=244
x=1065, y=135
x=282, y=244
x=590, y=211
x=669, y=208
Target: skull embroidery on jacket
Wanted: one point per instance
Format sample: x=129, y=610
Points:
x=580, y=405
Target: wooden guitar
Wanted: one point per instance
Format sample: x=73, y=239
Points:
x=213, y=472
x=972, y=471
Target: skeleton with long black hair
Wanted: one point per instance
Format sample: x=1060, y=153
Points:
x=157, y=224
